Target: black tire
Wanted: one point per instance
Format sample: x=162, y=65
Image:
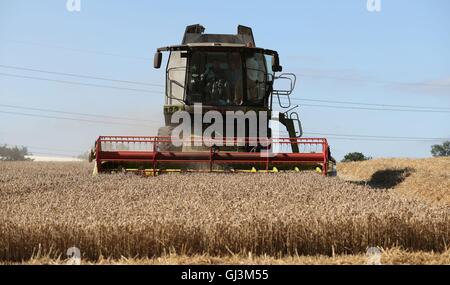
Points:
x=166, y=146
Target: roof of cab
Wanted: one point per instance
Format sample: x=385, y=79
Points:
x=195, y=34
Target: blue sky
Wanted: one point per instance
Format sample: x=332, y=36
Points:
x=339, y=51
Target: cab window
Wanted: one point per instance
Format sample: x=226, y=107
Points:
x=256, y=78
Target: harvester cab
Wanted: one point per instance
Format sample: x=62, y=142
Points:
x=219, y=107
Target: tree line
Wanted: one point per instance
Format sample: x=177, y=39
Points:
x=14, y=153
x=437, y=150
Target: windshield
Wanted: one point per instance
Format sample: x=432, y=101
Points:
x=215, y=78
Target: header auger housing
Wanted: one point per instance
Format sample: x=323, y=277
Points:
x=228, y=82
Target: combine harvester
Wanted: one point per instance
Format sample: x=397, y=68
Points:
x=211, y=78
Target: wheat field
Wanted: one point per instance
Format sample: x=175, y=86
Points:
x=46, y=208
x=425, y=179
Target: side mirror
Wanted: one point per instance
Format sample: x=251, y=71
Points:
x=276, y=67
x=157, y=60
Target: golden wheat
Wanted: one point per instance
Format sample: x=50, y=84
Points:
x=427, y=179
x=54, y=206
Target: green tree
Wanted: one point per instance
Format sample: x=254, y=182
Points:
x=441, y=149
x=355, y=156
x=8, y=153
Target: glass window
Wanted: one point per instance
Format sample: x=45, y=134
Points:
x=176, y=74
x=268, y=63
x=215, y=78
x=256, y=78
